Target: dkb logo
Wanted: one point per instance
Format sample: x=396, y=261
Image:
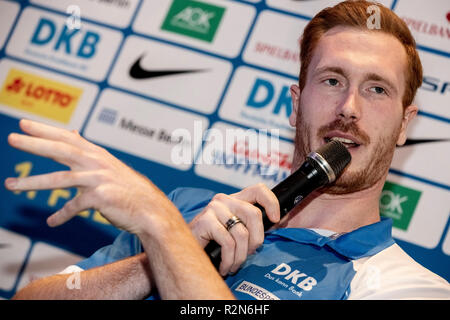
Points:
x=399, y=203
x=73, y=41
x=263, y=94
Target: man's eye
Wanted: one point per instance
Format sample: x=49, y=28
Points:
x=378, y=90
x=332, y=82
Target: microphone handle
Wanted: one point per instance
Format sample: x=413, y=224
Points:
x=289, y=193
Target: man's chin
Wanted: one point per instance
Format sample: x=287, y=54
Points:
x=348, y=183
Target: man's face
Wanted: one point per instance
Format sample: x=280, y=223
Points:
x=353, y=93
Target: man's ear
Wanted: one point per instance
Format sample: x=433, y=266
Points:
x=409, y=114
x=295, y=95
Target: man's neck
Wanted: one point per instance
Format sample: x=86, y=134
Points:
x=338, y=213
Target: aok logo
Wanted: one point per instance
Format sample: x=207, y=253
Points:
x=193, y=19
x=38, y=95
x=75, y=42
x=398, y=203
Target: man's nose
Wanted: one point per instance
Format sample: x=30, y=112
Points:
x=349, y=109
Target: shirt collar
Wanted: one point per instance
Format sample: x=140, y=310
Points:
x=365, y=241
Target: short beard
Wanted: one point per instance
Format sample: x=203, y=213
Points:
x=348, y=182
x=376, y=170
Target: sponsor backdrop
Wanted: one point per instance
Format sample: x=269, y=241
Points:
x=148, y=80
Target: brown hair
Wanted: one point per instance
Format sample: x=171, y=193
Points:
x=353, y=13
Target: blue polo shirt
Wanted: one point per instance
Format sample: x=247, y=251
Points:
x=294, y=263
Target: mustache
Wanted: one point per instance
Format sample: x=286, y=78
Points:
x=350, y=128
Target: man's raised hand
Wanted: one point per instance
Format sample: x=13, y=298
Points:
x=122, y=195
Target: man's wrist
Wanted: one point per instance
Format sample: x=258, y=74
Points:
x=158, y=222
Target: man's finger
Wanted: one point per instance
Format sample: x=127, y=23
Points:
x=70, y=209
x=262, y=195
x=215, y=230
x=54, y=180
x=41, y=130
x=239, y=233
x=241, y=237
x=249, y=214
x=59, y=151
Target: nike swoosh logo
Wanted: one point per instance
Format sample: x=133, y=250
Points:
x=410, y=142
x=137, y=72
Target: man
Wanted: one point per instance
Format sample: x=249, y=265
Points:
x=356, y=85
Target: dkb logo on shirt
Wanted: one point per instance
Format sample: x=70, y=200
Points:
x=296, y=277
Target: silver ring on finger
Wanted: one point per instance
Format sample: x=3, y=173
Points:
x=232, y=222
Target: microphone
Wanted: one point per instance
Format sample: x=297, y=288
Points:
x=321, y=167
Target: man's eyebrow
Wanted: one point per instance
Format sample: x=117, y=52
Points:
x=337, y=70
x=377, y=77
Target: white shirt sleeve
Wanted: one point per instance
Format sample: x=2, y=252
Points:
x=393, y=274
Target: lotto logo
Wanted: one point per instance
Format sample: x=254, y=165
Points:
x=41, y=96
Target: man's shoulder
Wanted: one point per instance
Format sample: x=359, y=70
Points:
x=399, y=263
x=393, y=274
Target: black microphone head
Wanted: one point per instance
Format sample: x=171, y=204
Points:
x=332, y=157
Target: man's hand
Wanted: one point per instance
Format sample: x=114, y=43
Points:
x=129, y=201
x=243, y=238
x=104, y=182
